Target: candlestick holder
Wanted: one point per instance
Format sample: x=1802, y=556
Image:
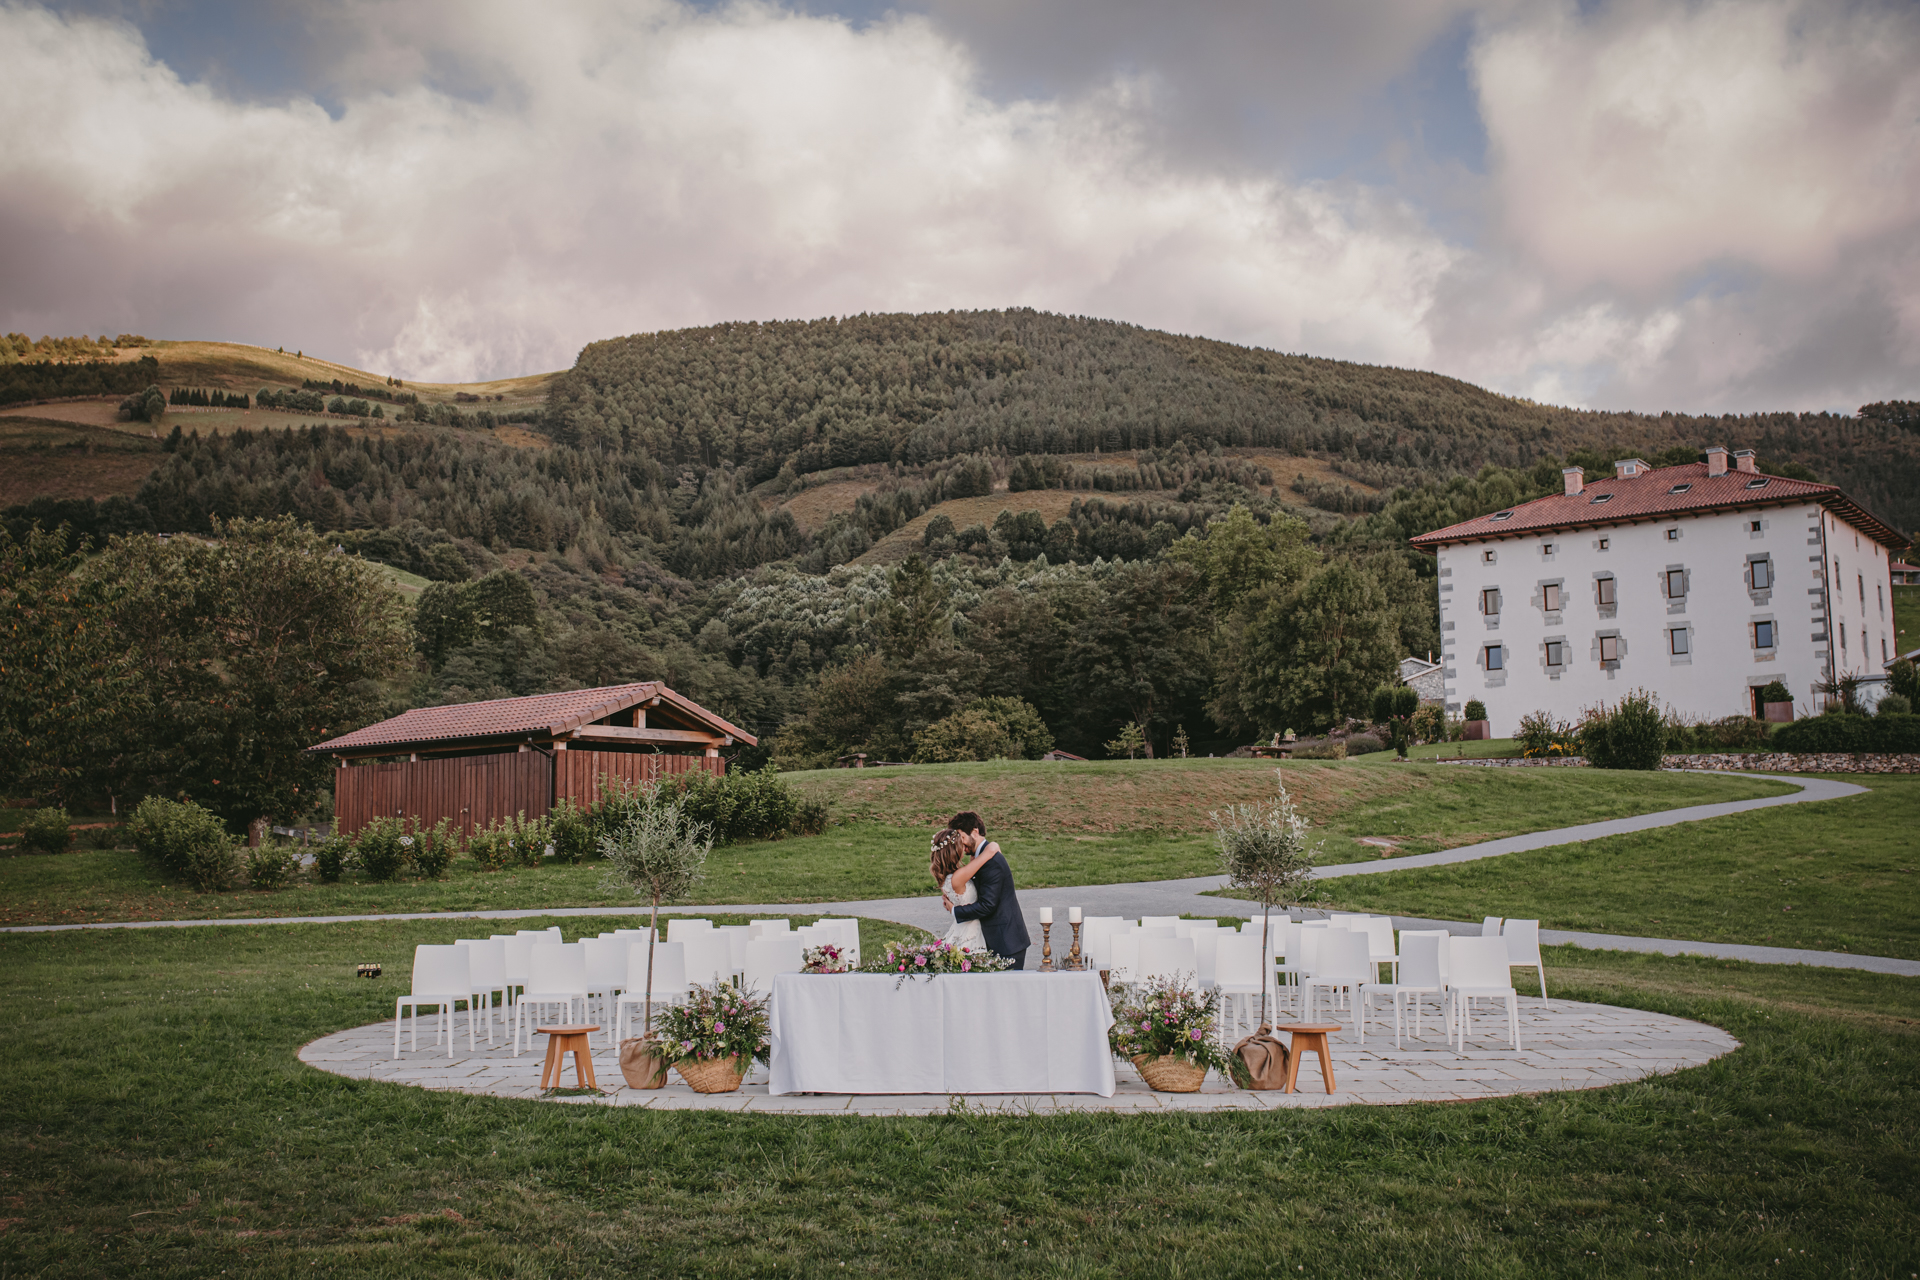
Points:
x=1046, y=948
x=1074, y=960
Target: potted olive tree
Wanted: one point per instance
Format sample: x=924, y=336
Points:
x=1264, y=852
x=657, y=852
x=1476, y=728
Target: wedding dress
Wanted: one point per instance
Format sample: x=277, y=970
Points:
x=965, y=933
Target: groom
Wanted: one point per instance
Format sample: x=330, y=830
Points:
x=998, y=909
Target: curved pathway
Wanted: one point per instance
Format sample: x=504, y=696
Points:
x=1195, y=896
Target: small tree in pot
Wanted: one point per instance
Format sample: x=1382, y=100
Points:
x=1263, y=851
x=657, y=852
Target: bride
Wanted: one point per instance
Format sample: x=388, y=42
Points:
x=954, y=873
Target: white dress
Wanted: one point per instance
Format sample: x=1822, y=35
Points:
x=965, y=933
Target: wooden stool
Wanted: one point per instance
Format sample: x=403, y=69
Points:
x=1309, y=1037
x=559, y=1041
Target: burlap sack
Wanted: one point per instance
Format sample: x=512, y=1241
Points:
x=1265, y=1059
x=641, y=1064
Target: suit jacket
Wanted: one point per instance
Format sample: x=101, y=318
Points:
x=998, y=909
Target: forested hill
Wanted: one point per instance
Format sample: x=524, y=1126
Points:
x=915, y=389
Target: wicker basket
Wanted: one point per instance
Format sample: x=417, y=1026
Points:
x=1170, y=1074
x=716, y=1075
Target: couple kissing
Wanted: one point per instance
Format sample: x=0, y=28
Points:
x=977, y=886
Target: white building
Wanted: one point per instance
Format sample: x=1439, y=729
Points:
x=1699, y=583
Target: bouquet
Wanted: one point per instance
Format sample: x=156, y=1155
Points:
x=930, y=959
x=826, y=958
x=1168, y=1019
x=719, y=1021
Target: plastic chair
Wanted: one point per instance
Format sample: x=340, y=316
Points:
x=1206, y=943
x=1157, y=931
x=1419, y=976
x=556, y=974
x=737, y=936
x=1167, y=959
x=1149, y=922
x=440, y=977
x=709, y=958
x=669, y=981
x=1523, y=949
x=487, y=966
x=519, y=956
x=1123, y=957
x=848, y=930
x=1490, y=926
x=1479, y=971
x=680, y=929
x=1237, y=974
x=767, y=956
x=606, y=973
x=1095, y=933
x=1379, y=931
x=1341, y=963
x=1442, y=934
x=766, y=928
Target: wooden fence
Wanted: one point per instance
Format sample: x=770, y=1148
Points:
x=473, y=791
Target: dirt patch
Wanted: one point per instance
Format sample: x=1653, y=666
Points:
x=812, y=508
x=1052, y=505
x=42, y=457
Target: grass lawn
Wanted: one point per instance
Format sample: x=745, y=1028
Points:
x=1484, y=749
x=1840, y=875
x=158, y=1124
x=1906, y=618
x=1053, y=835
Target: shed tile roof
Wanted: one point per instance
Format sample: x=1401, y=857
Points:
x=542, y=713
x=1650, y=496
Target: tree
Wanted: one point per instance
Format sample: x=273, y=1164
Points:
x=985, y=729
x=1130, y=741
x=1237, y=556
x=916, y=614
x=1263, y=851
x=253, y=648
x=1135, y=652
x=656, y=852
x=1393, y=706
x=1312, y=657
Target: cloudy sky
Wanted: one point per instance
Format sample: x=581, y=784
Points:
x=1698, y=206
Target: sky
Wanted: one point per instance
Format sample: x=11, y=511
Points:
x=1703, y=207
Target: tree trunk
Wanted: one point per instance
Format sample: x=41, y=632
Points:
x=653, y=936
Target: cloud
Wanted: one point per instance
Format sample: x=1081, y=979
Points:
x=494, y=194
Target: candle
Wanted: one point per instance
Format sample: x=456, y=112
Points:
x=1073, y=915
x=1046, y=915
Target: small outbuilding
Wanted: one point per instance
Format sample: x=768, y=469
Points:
x=475, y=762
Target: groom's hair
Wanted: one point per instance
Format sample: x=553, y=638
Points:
x=968, y=821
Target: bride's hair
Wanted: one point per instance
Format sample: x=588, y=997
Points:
x=949, y=854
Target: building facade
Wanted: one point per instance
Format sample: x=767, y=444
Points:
x=1702, y=583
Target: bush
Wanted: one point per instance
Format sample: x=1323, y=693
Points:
x=46, y=831
x=1893, y=733
x=985, y=729
x=378, y=851
x=1775, y=692
x=432, y=850
x=1360, y=744
x=185, y=842
x=1324, y=749
x=1734, y=733
x=1476, y=710
x=1430, y=723
x=572, y=829
x=1541, y=736
x=331, y=858
x=1391, y=701
x=1633, y=735
x=738, y=806
x=811, y=817
x=272, y=865
x=1894, y=704
x=1904, y=679
x=507, y=842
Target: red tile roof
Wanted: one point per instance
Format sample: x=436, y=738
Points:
x=1650, y=496
x=543, y=714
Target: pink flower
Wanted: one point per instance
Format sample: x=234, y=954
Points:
x=719, y=1027
x=920, y=960
x=1194, y=1034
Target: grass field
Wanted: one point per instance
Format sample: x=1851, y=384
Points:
x=158, y=1124
x=1906, y=618
x=1060, y=824
x=1840, y=875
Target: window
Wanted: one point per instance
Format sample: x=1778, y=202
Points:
x=1673, y=535
x=1603, y=592
x=1753, y=526
x=1843, y=637
x=1609, y=648
x=1880, y=594
x=1603, y=544
x=1550, y=597
x=1487, y=556
x=1761, y=483
x=1598, y=498
x=1490, y=601
x=1676, y=584
x=1496, y=658
x=1677, y=641
x=1556, y=653
x=1883, y=649
x=1763, y=635
x=1761, y=572
x=1501, y=515
x=1860, y=584
x=1680, y=488
x=1547, y=549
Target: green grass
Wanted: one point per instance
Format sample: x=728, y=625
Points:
x=1906, y=618
x=1426, y=809
x=159, y=1124
x=1839, y=875
x=1484, y=749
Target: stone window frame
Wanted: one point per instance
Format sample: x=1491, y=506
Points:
x=1763, y=653
x=1495, y=677
x=1554, y=669
x=1761, y=595
x=1598, y=651
x=1552, y=612
x=1684, y=634
x=1676, y=604
x=1608, y=609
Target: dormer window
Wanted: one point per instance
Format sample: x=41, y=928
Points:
x=1501, y=515
x=1761, y=483
x=1680, y=488
x=1600, y=497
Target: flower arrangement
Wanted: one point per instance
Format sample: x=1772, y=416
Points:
x=716, y=1022
x=1169, y=1019
x=826, y=958
x=930, y=959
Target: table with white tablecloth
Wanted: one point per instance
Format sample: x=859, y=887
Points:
x=1017, y=1032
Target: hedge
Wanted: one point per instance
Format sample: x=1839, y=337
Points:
x=1888, y=734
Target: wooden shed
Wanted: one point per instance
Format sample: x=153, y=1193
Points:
x=476, y=762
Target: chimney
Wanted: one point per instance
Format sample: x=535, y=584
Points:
x=1717, y=460
x=1743, y=460
x=1575, y=478
x=1627, y=468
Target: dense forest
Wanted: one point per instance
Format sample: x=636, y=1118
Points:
x=1188, y=576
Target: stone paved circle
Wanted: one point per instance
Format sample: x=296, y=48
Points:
x=1564, y=1045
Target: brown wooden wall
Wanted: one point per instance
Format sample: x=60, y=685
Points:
x=472, y=791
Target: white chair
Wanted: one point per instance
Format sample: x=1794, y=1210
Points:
x=1490, y=926
x=441, y=978
x=669, y=981
x=1095, y=931
x=1442, y=934
x=1168, y=960
x=1149, y=922
x=1379, y=931
x=606, y=974
x=1341, y=963
x=737, y=936
x=519, y=952
x=1237, y=975
x=767, y=928
x=1206, y=943
x=1157, y=931
x=556, y=975
x=487, y=968
x=680, y=929
x=1479, y=972
x=709, y=958
x=1523, y=949
x=1123, y=957
x=631, y=935
x=765, y=957
x=1419, y=976
x=549, y=934
x=847, y=929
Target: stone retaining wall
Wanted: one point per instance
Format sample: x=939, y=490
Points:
x=1759, y=762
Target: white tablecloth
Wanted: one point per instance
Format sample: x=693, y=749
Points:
x=967, y=1033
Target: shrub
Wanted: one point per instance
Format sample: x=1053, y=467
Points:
x=1476, y=710
x=1894, y=704
x=271, y=865
x=1734, y=733
x=330, y=859
x=1541, y=736
x=985, y=729
x=1904, y=679
x=1323, y=749
x=572, y=830
x=1430, y=723
x=740, y=806
x=1360, y=744
x=185, y=842
x=811, y=817
x=432, y=850
x=1394, y=701
x=1633, y=735
x=377, y=849
x=1893, y=733
x=46, y=831
x=1775, y=692
x=507, y=842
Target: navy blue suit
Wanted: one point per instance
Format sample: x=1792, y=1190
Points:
x=998, y=910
